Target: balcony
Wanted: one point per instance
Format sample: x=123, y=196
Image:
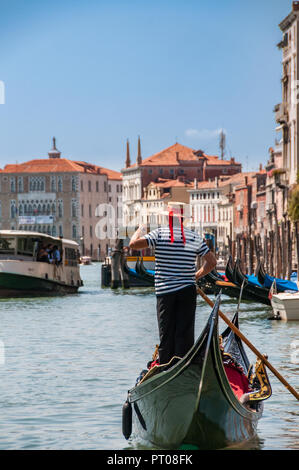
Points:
x=281, y=115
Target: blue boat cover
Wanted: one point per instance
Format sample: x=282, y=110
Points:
x=281, y=284
x=253, y=280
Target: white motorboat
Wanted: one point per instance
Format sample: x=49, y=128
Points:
x=285, y=306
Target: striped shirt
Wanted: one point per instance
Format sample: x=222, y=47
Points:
x=175, y=262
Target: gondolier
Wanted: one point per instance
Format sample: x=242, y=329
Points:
x=176, y=251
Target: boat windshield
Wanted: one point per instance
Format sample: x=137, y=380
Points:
x=27, y=246
x=7, y=245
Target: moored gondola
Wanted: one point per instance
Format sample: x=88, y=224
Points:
x=229, y=269
x=136, y=279
x=203, y=399
x=258, y=293
x=282, y=285
x=145, y=273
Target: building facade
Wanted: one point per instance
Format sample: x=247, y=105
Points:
x=60, y=197
x=287, y=111
x=177, y=161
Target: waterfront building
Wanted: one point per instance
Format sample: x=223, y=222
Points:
x=171, y=163
x=229, y=206
x=60, y=197
x=287, y=110
x=158, y=194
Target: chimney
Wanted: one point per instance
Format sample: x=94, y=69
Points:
x=246, y=180
x=128, y=160
x=177, y=155
x=261, y=167
x=139, y=157
x=54, y=153
x=295, y=6
x=232, y=160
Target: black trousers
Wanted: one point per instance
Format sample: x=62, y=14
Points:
x=176, y=318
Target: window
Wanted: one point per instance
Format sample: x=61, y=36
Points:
x=37, y=183
x=89, y=210
x=7, y=245
x=60, y=184
x=74, y=183
x=89, y=186
x=90, y=230
x=12, y=184
x=53, y=183
x=109, y=188
x=60, y=231
x=13, y=209
x=82, y=186
x=74, y=208
x=105, y=186
x=97, y=186
x=60, y=208
x=20, y=184
x=82, y=210
x=71, y=255
x=74, y=231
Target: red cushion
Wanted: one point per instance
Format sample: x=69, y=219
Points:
x=238, y=381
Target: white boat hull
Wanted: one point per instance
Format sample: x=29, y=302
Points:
x=286, y=306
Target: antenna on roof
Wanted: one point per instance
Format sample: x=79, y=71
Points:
x=222, y=143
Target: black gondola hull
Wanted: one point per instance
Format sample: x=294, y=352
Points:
x=190, y=404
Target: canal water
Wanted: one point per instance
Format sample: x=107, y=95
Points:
x=67, y=363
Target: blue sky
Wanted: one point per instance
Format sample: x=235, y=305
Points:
x=94, y=73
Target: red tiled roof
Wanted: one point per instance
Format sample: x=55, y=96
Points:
x=237, y=179
x=46, y=165
x=215, y=161
x=60, y=165
x=177, y=154
x=170, y=183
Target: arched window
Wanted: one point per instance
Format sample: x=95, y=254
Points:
x=74, y=231
x=13, y=209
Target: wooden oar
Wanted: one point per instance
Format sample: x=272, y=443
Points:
x=248, y=343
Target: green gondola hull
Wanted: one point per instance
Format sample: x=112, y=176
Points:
x=170, y=412
x=18, y=285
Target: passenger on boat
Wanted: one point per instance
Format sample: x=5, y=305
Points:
x=56, y=255
x=43, y=255
x=176, y=251
x=49, y=250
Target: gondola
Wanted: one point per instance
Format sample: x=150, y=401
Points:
x=135, y=278
x=143, y=272
x=228, y=288
x=282, y=285
x=191, y=401
x=229, y=269
x=259, y=293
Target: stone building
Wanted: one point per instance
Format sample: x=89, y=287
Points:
x=229, y=206
x=158, y=194
x=287, y=110
x=171, y=163
x=60, y=197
